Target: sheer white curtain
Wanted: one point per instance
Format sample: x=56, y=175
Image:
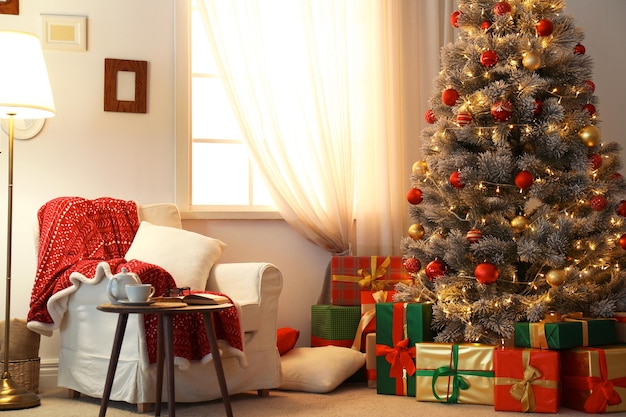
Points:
x=319, y=90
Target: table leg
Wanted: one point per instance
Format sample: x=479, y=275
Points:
x=217, y=361
x=159, y=365
x=115, y=355
x=168, y=336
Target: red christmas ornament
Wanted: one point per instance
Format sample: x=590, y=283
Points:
x=502, y=110
x=454, y=18
x=463, y=118
x=455, y=180
x=414, y=196
x=501, y=8
x=621, y=209
x=489, y=58
x=538, y=107
x=524, y=179
x=590, y=108
x=412, y=265
x=474, y=235
x=622, y=241
x=486, y=273
x=544, y=27
x=616, y=176
x=580, y=49
x=430, y=117
x=596, y=161
x=485, y=25
x=590, y=86
x=597, y=203
x=449, y=97
x=436, y=269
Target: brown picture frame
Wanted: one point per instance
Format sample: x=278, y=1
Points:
x=10, y=7
x=111, y=102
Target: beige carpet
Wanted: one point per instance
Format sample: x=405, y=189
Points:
x=349, y=400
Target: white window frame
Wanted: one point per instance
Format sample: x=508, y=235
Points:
x=183, y=134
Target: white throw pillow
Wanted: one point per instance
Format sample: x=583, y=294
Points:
x=319, y=369
x=186, y=255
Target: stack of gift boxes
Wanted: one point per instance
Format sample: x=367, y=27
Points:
x=358, y=283
x=570, y=361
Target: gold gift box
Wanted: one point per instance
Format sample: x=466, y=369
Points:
x=594, y=372
x=452, y=373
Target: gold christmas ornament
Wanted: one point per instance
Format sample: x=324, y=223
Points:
x=556, y=277
x=590, y=135
x=416, y=231
x=531, y=61
x=519, y=223
x=420, y=167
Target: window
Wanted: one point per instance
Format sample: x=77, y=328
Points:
x=214, y=171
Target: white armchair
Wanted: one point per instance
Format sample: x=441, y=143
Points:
x=87, y=335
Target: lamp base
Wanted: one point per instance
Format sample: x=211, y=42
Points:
x=14, y=397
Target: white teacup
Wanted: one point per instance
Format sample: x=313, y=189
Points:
x=139, y=293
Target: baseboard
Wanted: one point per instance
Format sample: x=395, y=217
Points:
x=48, y=374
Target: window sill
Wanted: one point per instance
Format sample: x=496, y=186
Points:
x=230, y=215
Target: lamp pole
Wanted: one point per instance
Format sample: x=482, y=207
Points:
x=12, y=396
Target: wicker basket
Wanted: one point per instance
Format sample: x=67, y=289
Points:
x=25, y=373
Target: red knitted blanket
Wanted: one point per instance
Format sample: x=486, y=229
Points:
x=76, y=235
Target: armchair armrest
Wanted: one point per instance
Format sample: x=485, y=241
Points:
x=256, y=287
x=246, y=282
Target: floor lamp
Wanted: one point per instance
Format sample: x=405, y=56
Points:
x=24, y=94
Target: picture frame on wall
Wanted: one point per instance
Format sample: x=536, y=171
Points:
x=68, y=33
x=9, y=6
x=125, y=85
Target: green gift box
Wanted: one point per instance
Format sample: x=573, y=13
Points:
x=398, y=327
x=334, y=325
x=566, y=334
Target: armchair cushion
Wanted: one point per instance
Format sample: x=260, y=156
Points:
x=186, y=255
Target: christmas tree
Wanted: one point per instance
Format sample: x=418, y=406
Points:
x=517, y=208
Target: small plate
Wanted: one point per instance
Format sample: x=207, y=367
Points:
x=136, y=303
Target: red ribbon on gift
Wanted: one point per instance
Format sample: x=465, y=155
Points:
x=602, y=389
x=401, y=358
x=370, y=374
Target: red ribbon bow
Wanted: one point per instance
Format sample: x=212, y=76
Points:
x=602, y=389
x=602, y=394
x=400, y=357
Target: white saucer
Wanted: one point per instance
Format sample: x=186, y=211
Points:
x=136, y=303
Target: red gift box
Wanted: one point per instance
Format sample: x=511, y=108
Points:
x=527, y=380
x=353, y=274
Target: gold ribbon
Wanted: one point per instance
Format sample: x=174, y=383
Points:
x=366, y=277
x=521, y=389
x=537, y=331
x=367, y=317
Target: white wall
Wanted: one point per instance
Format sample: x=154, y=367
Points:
x=602, y=22
x=86, y=151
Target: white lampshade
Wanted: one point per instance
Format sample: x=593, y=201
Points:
x=24, y=85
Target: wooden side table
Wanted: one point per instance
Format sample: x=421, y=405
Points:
x=165, y=349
